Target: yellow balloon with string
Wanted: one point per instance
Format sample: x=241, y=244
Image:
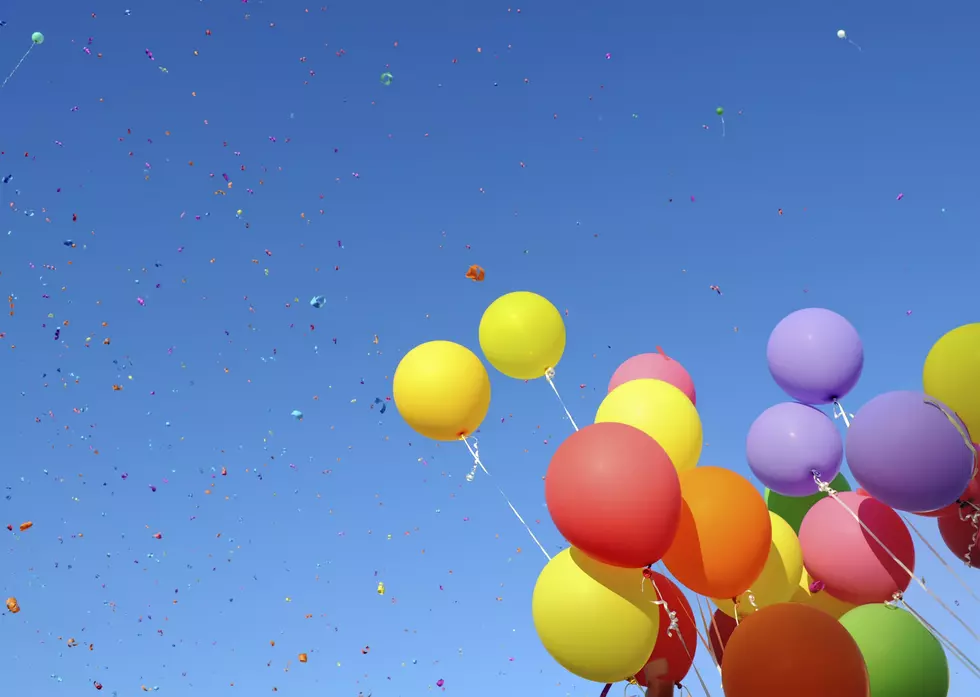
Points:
x=661, y=411
x=952, y=374
x=522, y=335
x=779, y=578
x=442, y=390
x=599, y=622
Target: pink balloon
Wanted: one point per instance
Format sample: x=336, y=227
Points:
x=654, y=366
x=851, y=564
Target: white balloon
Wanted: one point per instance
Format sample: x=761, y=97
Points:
x=841, y=34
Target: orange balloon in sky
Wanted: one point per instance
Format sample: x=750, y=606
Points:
x=724, y=535
x=792, y=649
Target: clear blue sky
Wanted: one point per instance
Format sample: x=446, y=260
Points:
x=562, y=148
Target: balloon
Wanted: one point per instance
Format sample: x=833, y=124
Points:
x=952, y=373
x=724, y=536
x=719, y=633
x=654, y=366
x=442, y=390
x=841, y=34
x=902, y=656
x=37, y=37
x=780, y=577
x=522, y=335
x=971, y=495
x=814, y=595
x=793, y=508
x=851, y=564
x=614, y=494
x=908, y=451
x=960, y=535
x=815, y=356
x=596, y=620
x=662, y=412
x=672, y=655
x=788, y=443
x=720, y=111
x=792, y=649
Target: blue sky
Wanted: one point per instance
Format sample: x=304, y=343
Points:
x=568, y=149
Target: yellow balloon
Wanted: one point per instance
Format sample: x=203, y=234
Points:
x=661, y=411
x=597, y=621
x=780, y=577
x=821, y=600
x=442, y=390
x=952, y=374
x=522, y=335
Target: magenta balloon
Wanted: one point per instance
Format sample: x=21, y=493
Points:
x=815, y=356
x=654, y=366
x=851, y=564
x=788, y=442
x=909, y=451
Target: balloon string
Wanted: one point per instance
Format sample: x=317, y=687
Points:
x=22, y=59
x=841, y=413
x=477, y=462
x=942, y=560
x=605, y=690
x=707, y=632
x=959, y=429
x=974, y=518
x=827, y=489
x=854, y=45
x=549, y=375
x=956, y=651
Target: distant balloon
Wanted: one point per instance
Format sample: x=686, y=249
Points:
x=387, y=78
x=841, y=34
x=720, y=111
x=37, y=37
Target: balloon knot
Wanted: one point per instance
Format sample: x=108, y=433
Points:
x=817, y=586
x=648, y=573
x=549, y=373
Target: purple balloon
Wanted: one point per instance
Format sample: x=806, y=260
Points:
x=815, y=356
x=909, y=451
x=788, y=442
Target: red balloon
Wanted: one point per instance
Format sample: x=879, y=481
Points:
x=960, y=535
x=614, y=494
x=971, y=495
x=719, y=633
x=672, y=655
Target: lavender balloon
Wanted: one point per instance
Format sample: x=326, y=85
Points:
x=909, y=451
x=788, y=442
x=815, y=356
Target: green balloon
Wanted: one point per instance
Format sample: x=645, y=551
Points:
x=37, y=37
x=793, y=508
x=902, y=656
x=719, y=111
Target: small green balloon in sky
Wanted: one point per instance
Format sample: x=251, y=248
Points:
x=720, y=111
x=37, y=37
x=387, y=78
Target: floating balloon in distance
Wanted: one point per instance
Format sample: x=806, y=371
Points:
x=719, y=632
x=851, y=564
x=792, y=649
x=37, y=37
x=522, y=335
x=594, y=619
x=902, y=656
x=724, y=535
x=672, y=655
x=814, y=595
x=662, y=412
x=614, y=494
x=780, y=577
x=970, y=495
x=792, y=509
x=655, y=366
x=960, y=533
x=909, y=451
x=815, y=356
x=788, y=443
x=952, y=373
x=442, y=390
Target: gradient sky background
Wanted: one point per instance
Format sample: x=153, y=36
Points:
x=571, y=149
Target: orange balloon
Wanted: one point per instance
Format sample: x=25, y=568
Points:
x=723, y=538
x=792, y=649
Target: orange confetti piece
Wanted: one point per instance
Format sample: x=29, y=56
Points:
x=476, y=273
